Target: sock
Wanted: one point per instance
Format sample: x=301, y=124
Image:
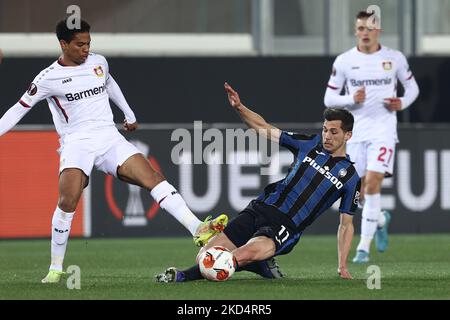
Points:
x=381, y=220
x=364, y=244
x=255, y=267
x=252, y=266
x=170, y=200
x=193, y=273
x=61, y=223
x=370, y=213
x=258, y=267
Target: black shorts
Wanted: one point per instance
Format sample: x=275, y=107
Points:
x=259, y=219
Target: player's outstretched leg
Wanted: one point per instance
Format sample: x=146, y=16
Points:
x=381, y=236
x=172, y=274
x=209, y=228
x=267, y=268
x=169, y=275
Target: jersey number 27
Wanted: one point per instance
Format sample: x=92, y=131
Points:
x=383, y=152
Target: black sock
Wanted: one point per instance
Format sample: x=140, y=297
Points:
x=193, y=273
x=258, y=267
x=253, y=267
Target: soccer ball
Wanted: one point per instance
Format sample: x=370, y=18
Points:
x=217, y=264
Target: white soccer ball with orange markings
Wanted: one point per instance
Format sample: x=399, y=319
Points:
x=217, y=264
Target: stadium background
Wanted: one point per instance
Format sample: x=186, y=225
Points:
x=171, y=59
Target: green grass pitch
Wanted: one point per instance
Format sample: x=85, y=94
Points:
x=414, y=267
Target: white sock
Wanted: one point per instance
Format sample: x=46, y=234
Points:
x=370, y=213
x=170, y=200
x=381, y=220
x=364, y=244
x=61, y=223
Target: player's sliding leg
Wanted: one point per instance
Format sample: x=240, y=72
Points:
x=193, y=273
x=71, y=184
x=241, y=229
x=256, y=249
x=136, y=169
x=172, y=274
x=267, y=268
x=370, y=215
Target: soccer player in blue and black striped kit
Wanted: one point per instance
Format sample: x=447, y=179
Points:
x=273, y=223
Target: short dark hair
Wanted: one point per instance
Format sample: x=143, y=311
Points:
x=364, y=15
x=66, y=34
x=331, y=114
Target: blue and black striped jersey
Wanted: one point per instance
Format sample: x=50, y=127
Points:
x=314, y=182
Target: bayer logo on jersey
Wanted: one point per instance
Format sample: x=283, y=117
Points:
x=98, y=71
x=387, y=65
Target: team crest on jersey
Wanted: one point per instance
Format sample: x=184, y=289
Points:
x=32, y=89
x=98, y=71
x=387, y=65
x=342, y=173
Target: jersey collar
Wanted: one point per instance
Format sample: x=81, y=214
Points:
x=378, y=50
x=346, y=158
x=61, y=63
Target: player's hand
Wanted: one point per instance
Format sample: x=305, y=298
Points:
x=1, y=55
x=360, y=95
x=393, y=104
x=130, y=126
x=233, y=96
x=344, y=274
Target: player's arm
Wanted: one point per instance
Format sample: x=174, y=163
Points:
x=250, y=118
x=344, y=239
x=409, y=83
x=333, y=98
x=38, y=90
x=116, y=95
x=348, y=207
x=12, y=117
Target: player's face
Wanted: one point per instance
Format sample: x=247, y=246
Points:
x=367, y=37
x=334, y=138
x=77, y=50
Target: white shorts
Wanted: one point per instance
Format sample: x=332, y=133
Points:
x=372, y=156
x=107, y=149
